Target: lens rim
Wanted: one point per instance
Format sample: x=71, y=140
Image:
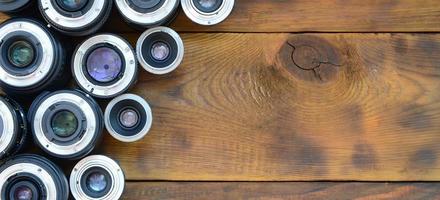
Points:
x=14, y=120
x=86, y=110
x=97, y=161
x=207, y=18
x=100, y=90
x=141, y=50
x=37, y=168
x=148, y=19
x=128, y=134
x=79, y=23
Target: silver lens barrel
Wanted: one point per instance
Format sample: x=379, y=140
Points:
x=207, y=12
x=66, y=123
x=84, y=17
x=34, y=176
x=128, y=118
x=142, y=14
x=97, y=177
x=89, y=80
x=160, y=50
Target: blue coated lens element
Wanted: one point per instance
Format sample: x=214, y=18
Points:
x=207, y=4
x=21, y=54
x=104, y=64
x=73, y=5
x=96, y=182
x=160, y=51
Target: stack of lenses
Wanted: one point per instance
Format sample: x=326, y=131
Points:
x=69, y=123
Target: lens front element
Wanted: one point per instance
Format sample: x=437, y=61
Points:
x=104, y=64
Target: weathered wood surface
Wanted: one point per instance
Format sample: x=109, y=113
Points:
x=249, y=107
x=321, y=16
x=281, y=190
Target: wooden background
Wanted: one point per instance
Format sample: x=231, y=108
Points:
x=285, y=93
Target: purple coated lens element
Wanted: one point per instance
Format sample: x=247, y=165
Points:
x=104, y=64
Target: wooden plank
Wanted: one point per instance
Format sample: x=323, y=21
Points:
x=323, y=16
x=292, y=107
x=280, y=190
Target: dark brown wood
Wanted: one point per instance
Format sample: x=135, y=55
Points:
x=321, y=16
x=292, y=107
x=280, y=190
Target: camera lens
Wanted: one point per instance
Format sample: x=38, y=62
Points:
x=160, y=50
x=207, y=12
x=13, y=6
x=105, y=66
x=31, y=59
x=13, y=127
x=76, y=17
x=128, y=118
x=32, y=177
x=147, y=13
x=97, y=177
x=66, y=123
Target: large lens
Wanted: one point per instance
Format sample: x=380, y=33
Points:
x=31, y=59
x=31, y=177
x=64, y=123
x=207, y=12
x=96, y=182
x=72, y=5
x=104, y=64
x=128, y=118
x=23, y=193
x=21, y=54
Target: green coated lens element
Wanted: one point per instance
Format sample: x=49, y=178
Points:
x=21, y=54
x=64, y=123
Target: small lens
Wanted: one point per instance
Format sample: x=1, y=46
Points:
x=23, y=193
x=21, y=54
x=129, y=118
x=104, y=64
x=96, y=182
x=72, y=5
x=160, y=51
x=64, y=123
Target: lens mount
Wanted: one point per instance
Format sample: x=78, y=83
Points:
x=110, y=170
x=126, y=77
x=39, y=175
x=112, y=118
x=153, y=36
x=198, y=14
x=13, y=127
x=13, y=5
x=87, y=20
x=47, y=65
x=157, y=14
x=85, y=110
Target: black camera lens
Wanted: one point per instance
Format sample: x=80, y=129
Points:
x=128, y=118
x=13, y=127
x=31, y=59
x=32, y=177
x=97, y=177
x=14, y=6
x=160, y=50
x=147, y=13
x=76, y=17
x=105, y=66
x=207, y=12
x=66, y=123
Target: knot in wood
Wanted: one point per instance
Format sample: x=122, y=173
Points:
x=306, y=57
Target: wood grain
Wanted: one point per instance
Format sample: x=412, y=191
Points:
x=249, y=107
x=281, y=190
x=319, y=16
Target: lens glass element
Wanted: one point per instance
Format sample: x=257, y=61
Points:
x=104, y=64
x=129, y=118
x=64, y=123
x=160, y=51
x=23, y=193
x=72, y=5
x=207, y=4
x=96, y=182
x=21, y=53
